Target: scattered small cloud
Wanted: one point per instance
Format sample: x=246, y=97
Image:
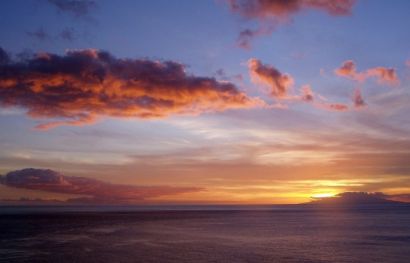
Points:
x=280, y=85
x=383, y=75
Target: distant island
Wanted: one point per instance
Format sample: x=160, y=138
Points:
x=352, y=199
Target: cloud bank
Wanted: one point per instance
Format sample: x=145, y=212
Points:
x=84, y=85
x=94, y=190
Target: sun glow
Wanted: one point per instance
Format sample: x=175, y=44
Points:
x=323, y=195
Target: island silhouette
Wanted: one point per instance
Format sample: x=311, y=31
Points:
x=354, y=199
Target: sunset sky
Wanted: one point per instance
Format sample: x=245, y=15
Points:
x=197, y=102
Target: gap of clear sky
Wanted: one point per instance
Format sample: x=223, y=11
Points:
x=236, y=101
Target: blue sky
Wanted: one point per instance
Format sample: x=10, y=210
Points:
x=308, y=45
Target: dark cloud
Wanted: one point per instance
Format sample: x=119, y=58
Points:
x=4, y=57
x=246, y=36
x=93, y=190
x=270, y=13
x=39, y=34
x=68, y=34
x=77, y=8
x=84, y=85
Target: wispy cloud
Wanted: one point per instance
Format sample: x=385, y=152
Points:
x=39, y=34
x=270, y=13
x=77, y=8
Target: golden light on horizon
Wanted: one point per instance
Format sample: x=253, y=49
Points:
x=323, y=195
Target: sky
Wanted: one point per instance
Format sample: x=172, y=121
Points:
x=203, y=102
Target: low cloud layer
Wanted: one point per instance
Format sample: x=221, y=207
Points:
x=84, y=85
x=93, y=190
x=269, y=13
x=387, y=76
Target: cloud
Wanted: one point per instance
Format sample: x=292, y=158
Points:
x=270, y=13
x=93, y=190
x=262, y=9
x=358, y=100
x=68, y=34
x=383, y=75
x=84, y=85
x=331, y=106
x=247, y=35
x=4, y=57
x=39, y=34
x=77, y=8
x=278, y=83
x=307, y=93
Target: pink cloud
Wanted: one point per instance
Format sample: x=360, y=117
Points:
x=262, y=9
x=278, y=83
x=382, y=74
x=94, y=190
x=358, y=100
x=270, y=13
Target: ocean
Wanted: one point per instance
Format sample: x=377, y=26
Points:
x=205, y=234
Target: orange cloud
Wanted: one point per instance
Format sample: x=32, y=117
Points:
x=384, y=75
x=278, y=8
x=280, y=86
x=278, y=83
x=270, y=13
x=84, y=85
x=95, y=190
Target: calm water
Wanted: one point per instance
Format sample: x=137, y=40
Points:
x=259, y=235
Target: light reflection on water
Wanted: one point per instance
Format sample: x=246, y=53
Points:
x=299, y=235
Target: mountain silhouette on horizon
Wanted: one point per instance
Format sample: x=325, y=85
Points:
x=355, y=199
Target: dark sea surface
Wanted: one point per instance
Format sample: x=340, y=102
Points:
x=205, y=234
